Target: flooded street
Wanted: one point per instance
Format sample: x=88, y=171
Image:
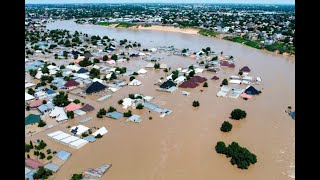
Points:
x=181, y=145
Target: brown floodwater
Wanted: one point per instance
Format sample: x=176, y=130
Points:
x=181, y=145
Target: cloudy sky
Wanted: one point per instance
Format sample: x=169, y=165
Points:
x=161, y=1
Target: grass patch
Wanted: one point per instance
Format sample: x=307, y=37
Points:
x=125, y=24
x=254, y=44
x=104, y=23
x=204, y=32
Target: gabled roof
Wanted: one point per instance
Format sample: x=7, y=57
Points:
x=215, y=78
x=71, y=83
x=36, y=103
x=33, y=163
x=168, y=84
x=198, y=79
x=251, y=90
x=63, y=155
x=87, y=108
x=82, y=70
x=72, y=106
x=188, y=84
x=32, y=118
x=95, y=87
x=245, y=69
x=114, y=115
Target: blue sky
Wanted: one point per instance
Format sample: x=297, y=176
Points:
x=161, y=1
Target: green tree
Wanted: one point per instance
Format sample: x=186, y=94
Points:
x=113, y=76
x=31, y=91
x=195, y=103
x=156, y=65
x=70, y=114
x=49, y=157
x=85, y=62
x=77, y=177
x=205, y=84
x=111, y=109
x=221, y=147
x=105, y=58
x=192, y=73
x=42, y=173
x=131, y=78
x=61, y=100
x=95, y=60
x=139, y=106
x=48, y=151
x=98, y=136
x=127, y=114
x=225, y=82
x=226, y=126
x=114, y=57
x=33, y=72
x=94, y=73
x=238, y=114
x=42, y=155
x=120, y=101
x=75, y=56
x=77, y=101
x=101, y=113
x=41, y=123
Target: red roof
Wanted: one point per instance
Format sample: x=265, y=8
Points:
x=215, y=78
x=224, y=63
x=188, y=84
x=72, y=106
x=198, y=79
x=232, y=66
x=71, y=83
x=36, y=103
x=33, y=163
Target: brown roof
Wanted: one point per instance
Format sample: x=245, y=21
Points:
x=215, y=78
x=33, y=163
x=245, y=69
x=87, y=108
x=224, y=63
x=232, y=66
x=198, y=79
x=188, y=84
x=71, y=83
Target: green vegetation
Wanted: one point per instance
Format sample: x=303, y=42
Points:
x=49, y=157
x=48, y=151
x=85, y=62
x=94, y=73
x=33, y=72
x=210, y=33
x=101, y=113
x=238, y=114
x=240, y=156
x=121, y=70
x=77, y=177
x=84, y=134
x=254, y=44
x=156, y=66
x=77, y=101
x=31, y=91
x=125, y=24
x=127, y=114
x=104, y=23
x=61, y=99
x=120, y=101
x=139, y=106
x=114, y=57
x=225, y=82
x=132, y=78
x=70, y=114
x=205, y=84
x=42, y=123
x=113, y=76
x=41, y=145
x=195, y=103
x=111, y=109
x=42, y=173
x=226, y=126
x=28, y=147
x=175, y=74
x=98, y=136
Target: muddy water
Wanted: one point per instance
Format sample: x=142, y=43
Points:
x=181, y=145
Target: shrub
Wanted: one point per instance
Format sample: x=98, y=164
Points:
x=120, y=101
x=111, y=109
x=205, y=84
x=132, y=78
x=226, y=126
x=150, y=118
x=221, y=147
x=42, y=155
x=132, y=96
x=77, y=177
x=240, y=156
x=139, y=106
x=240, y=73
x=70, y=114
x=202, y=62
x=41, y=123
x=206, y=66
x=238, y=114
x=101, y=112
x=225, y=82
x=127, y=114
x=135, y=73
x=42, y=173
x=166, y=70
x=49, y=157
x=84, y=134
x=77, y=101
x=98, y=136
x=156, y=66
x=195, y=103
x=48, y=151
x=95, y=60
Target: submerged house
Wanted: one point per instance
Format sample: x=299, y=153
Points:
x=95, y=87
x=32, y=119
x=252, y=91
x=245, y=69
x=168, y=84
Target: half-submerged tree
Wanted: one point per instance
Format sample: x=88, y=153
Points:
x=238, y=114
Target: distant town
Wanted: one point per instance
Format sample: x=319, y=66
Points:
x=270, y=27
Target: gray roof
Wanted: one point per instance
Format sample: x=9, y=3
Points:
x=46, y=107
x=30, y=174
x=63, y=155
x=90, y=138
x=85, y=119
x=114, y=115
x=52, y=167
x=150, y=105
x=135, y=118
